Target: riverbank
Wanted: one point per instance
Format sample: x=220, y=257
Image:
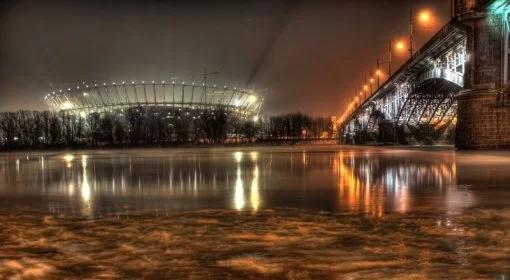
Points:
x=265, y=143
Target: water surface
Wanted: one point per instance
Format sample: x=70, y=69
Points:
x=301, y=212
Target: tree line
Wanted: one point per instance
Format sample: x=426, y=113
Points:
x=140, y=126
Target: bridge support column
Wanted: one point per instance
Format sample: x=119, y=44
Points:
x=483, y=118
x=387, y=132
x=483, y=121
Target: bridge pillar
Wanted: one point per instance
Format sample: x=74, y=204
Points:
x=483, y=116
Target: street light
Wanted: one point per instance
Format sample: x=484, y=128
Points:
x=400, y=46
x=378, y=73
x=424, y=18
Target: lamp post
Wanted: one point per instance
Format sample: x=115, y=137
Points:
x=411, y=32
x=424, y=17
x=378, y=74
x=372, y=81
x=390, y=48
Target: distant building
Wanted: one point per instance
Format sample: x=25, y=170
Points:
x=157, y=96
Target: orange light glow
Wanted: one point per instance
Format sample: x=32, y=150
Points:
x=378, y=72
x=372, y=80
x=365, y=87
x=425, y=17
x=400, y=46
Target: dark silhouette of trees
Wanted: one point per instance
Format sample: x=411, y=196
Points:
x=9, y=129
x=214, y=124
x=94, y=121
x=152, y=126
x=106, y=129
x=135, y=122
x=298, y=126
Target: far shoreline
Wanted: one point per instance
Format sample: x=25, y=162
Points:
x=314, y=145
x=263, y=143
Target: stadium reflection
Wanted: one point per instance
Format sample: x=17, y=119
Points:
x=373, y=182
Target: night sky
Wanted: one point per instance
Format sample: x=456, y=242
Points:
x=307, y=56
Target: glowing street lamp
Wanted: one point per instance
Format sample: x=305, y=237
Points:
x=400, y=46
x=378, y=73
x=424, y=17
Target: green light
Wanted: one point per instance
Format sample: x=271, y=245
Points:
x=500, y=7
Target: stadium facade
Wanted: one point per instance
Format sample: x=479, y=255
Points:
x=89, y=98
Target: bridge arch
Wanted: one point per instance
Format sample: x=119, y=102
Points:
x=430, y=103
x=442, y=74
x=375, y=118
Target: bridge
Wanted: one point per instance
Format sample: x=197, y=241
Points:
x=454, y=90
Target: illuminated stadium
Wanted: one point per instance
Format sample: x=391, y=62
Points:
x=89, y=98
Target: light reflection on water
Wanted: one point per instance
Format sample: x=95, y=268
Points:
x=368, y=181
x=255, y=213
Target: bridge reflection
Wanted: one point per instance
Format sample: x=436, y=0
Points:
x=374, y=184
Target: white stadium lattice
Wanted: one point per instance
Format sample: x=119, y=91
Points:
x=88, y=98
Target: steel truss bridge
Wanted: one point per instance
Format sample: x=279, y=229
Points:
x=416, y=105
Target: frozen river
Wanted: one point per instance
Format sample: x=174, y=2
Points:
x=302, y=212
